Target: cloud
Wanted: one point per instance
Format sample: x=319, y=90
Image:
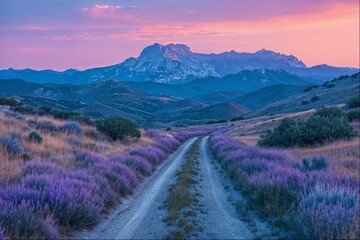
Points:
x=110, y=12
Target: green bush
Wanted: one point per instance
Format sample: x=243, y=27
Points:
x=216, y=121
x=353, y=115
x=325, y=125
x=315, y=98
x=35, y=137
x=330, y=112
x=9, y=102
x=237, y=119
x=305, y=102
x=24, y=109
x=118, y=128
x=354, y=102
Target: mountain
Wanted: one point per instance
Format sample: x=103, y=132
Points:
x=264, y=96
x=249, y=80
x=176, y=63
x=336, y=91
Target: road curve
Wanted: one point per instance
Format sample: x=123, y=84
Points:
x=140, y=216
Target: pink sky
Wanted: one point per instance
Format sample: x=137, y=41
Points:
x=61, y=34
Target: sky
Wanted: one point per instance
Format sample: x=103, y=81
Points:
x=81, y=34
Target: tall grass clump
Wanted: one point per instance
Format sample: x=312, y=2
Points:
x=310, y=199
x=12, y=143
x=71, y=128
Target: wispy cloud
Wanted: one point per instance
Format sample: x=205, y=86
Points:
x=110, y=11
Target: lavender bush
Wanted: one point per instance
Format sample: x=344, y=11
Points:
x=71, y=128
x=12, y=143
x=318, y=203
x=2, y=234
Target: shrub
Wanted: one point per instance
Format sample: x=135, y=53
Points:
x=81, y=119
x=216, y=121
x=9, y=102
x=12, y=143
x=65, y=115
x=93, y=134
x=86, y=158
x=315, y=98
x=325, y=125
x=317, y=130
x=72, y=128
x=304, y=102
x=237, y=119
x=45, y=125
x=308, y=89
x=45, y=110
x=354, y=102
x=2, y=234
x=331, y=85
x=25, y=221
x=118, y=128
x=153, y=155
x=9, y=113
x=317, y=163
x=330, y=112
x=35, y=137
x=286, y=134
x=137, y=163
x=328, y=213
x=353, y=115
x=24, y=109
x=121, y=178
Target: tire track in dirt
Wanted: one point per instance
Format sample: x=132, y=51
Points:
x=140, y=216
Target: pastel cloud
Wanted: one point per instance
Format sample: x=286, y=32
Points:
x=106, y=11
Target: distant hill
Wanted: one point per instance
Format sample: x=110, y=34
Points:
x=176, y=63
x=220, y=111
x=260, y=98
x=249, y=80
x=336, y=91
x=218, y=97
x=110, y=97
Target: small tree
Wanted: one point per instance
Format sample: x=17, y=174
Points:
x=118, y=128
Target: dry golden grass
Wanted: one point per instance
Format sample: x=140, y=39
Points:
x=343, y=156
x=248, y=140
x=57, y=147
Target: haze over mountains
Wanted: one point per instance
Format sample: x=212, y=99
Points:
x=176, y=63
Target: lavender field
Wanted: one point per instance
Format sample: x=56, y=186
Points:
x=47, y=200
x=311, y=200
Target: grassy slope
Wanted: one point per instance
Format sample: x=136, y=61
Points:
x=57, y=147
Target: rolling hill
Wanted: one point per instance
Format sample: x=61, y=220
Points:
x=336, y=91
x=260, y=98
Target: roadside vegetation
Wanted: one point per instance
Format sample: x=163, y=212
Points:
x=327, y=124
x=182, y=196
x=60, y=176
x=308, y=198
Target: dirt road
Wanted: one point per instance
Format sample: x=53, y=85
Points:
x=221, y=203
x=222, y=213
x=141, y=215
